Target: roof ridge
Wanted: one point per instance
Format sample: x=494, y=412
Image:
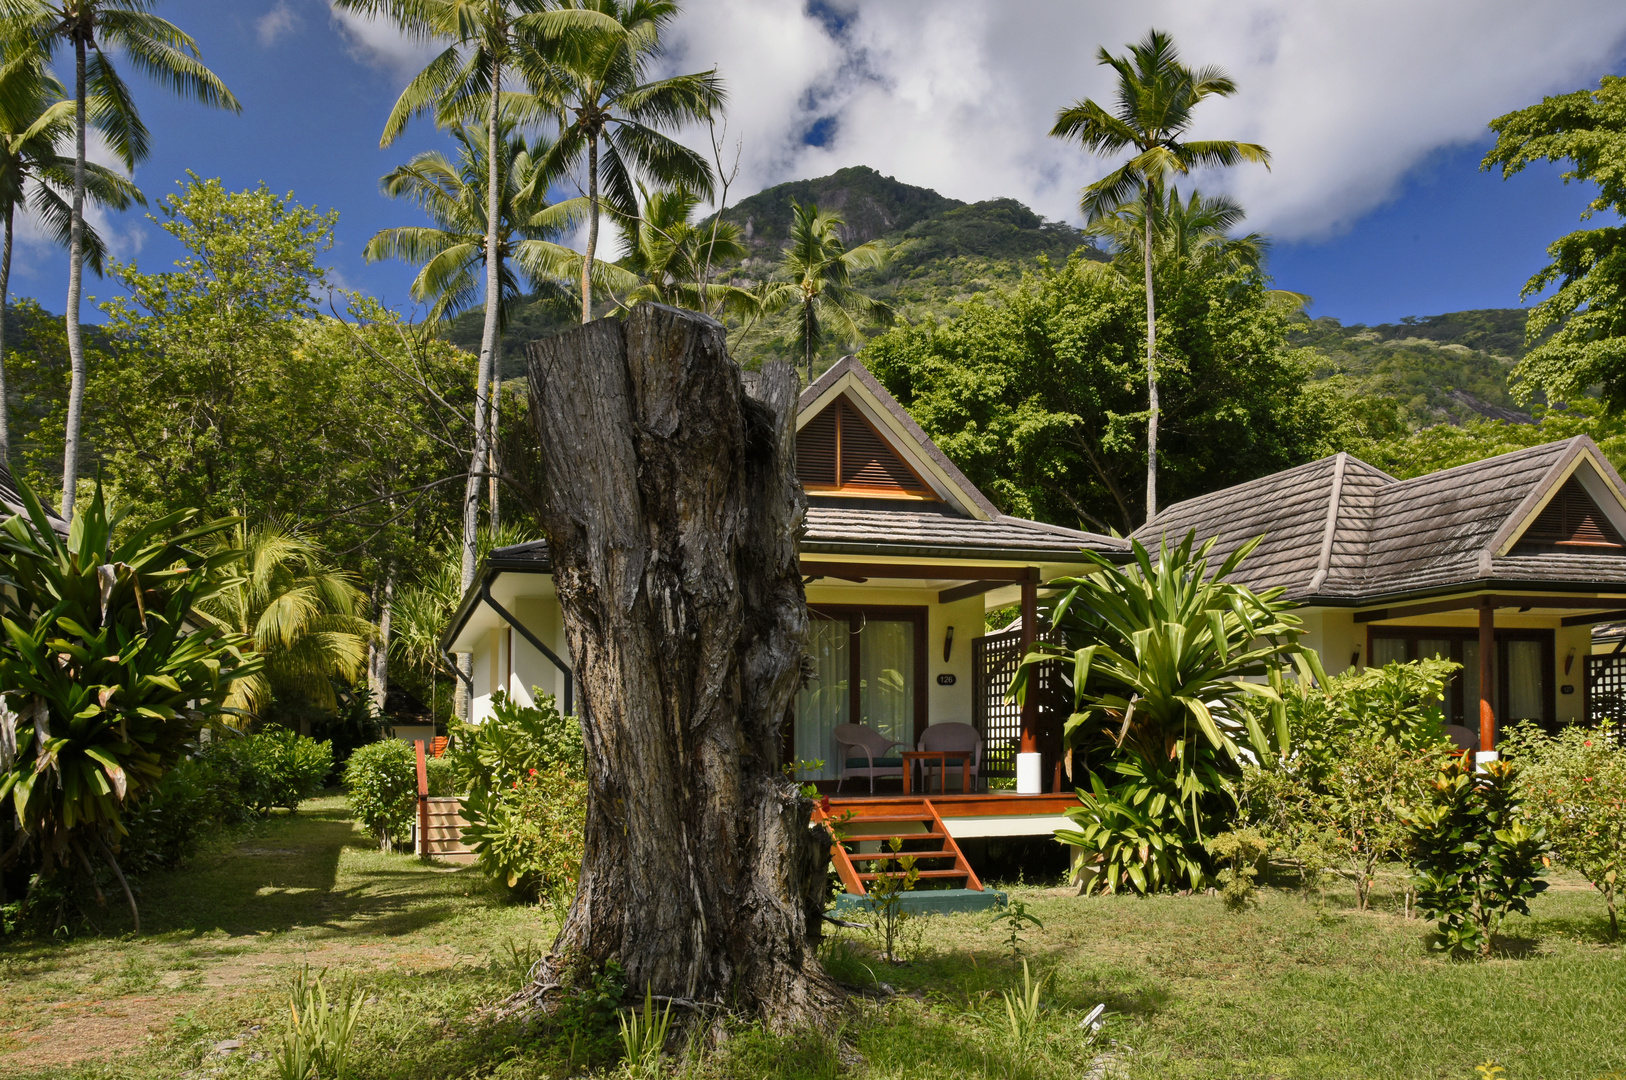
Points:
x=1334, y=500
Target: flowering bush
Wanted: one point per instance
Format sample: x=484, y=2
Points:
x=1574, y=786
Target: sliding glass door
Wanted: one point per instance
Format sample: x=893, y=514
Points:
x=870, y=664
x=1523, y=668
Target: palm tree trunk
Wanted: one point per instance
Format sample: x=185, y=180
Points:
x=488, y=345
x=5, y=294
x=592, y=228
x=76, y=271
x=1151, y=367
x=807, y=338
x=378, y=652
x=494, y=492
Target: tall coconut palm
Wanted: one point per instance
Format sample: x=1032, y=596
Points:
x=669, y=253
x=452, y=251
x=816, y=276
x=155, y=47
x=33, y=122
x=301, y=615
x=465, y=79
x=1155, y=99
x=613, y=118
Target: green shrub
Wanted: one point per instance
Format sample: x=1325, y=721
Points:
x=1574, y=787
x=517, y=741
x=164, y=828
x=442, y=775
x=1475, y=858
x=527, y=797
x=382, y=780
x=279, y=767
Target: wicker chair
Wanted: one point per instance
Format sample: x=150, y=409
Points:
x=864, y=752
x=951, y=737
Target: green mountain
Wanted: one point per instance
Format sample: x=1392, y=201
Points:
x=1436, y=369
x=941, y=252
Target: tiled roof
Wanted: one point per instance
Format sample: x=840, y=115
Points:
x=13, y=501
x=854, y=529
x=1339, y=529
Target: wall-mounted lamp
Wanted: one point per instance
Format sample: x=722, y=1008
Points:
x=1568, y=661
x=1355, y=657
x=948, y=644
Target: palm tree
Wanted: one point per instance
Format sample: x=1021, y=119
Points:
x=819, y=267
x=453, y=250
x=300, y=614
x=1156, y=96
x=33, y=121
x=670, y=254
x=1194, y=232
x=463, y=80
x=154, y=46
x=610, y=114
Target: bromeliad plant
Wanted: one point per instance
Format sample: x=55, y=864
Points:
x=107, y=671
x=1158, y=657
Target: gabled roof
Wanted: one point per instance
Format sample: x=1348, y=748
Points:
x=1341, y=531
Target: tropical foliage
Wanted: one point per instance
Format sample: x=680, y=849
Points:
x=815, y=279
x=1584, y=320
x=301, y=616
x=1573, y=785
x=381, y=788
x=523, y=768
x=1156, y=655
x=110, y=672
x=91, y=29
x=1364, y=746
x=1156, y=97
x=1031, y=391
x=1476, y=856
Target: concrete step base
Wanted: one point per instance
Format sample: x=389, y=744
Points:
x=922, y=902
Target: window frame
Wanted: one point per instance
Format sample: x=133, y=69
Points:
x=856, y=615
x=1458, y=711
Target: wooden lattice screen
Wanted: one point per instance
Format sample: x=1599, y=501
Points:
x=994, y=659
x=1606, y=692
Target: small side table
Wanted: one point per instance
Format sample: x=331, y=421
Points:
x=911, y=757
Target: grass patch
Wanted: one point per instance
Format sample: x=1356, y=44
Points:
x=1291, y=988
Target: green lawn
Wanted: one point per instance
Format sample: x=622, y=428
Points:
x=1289, y=989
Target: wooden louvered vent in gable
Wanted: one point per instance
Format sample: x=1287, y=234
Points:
x=839, y=451
x=1571, y=519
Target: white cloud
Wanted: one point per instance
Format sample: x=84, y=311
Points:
x=958, y=95
x=374, y=39
x=276, y=24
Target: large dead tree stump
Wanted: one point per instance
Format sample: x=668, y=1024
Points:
x=672, y=512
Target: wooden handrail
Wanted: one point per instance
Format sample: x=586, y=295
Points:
x=423, y=801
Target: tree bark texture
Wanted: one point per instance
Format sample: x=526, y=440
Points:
x=672, y=512
x=76, y=277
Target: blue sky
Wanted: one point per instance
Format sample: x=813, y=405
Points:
x=1377, y=121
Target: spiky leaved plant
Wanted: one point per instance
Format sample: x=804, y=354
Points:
x=107, y=673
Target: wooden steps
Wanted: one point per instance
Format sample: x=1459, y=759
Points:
x=442, y=835
x=856, y=827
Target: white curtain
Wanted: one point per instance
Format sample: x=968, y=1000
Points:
x=1524, y=696
x=886, y=664
x=823, y=702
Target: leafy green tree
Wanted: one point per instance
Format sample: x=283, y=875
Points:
x=1444, y=446
x=1158, y=658
x=817, y=268
x=213, y=333
x=1031, y=391
x=109, y=669
x=1476, y=857
x=301, y=616
x=1194, y=232
x=1156, y=97
x=33, y=121
x=1574, y=789
x=1586, y=316
x=671, y=256
x=159, y=49
x=613, y=117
